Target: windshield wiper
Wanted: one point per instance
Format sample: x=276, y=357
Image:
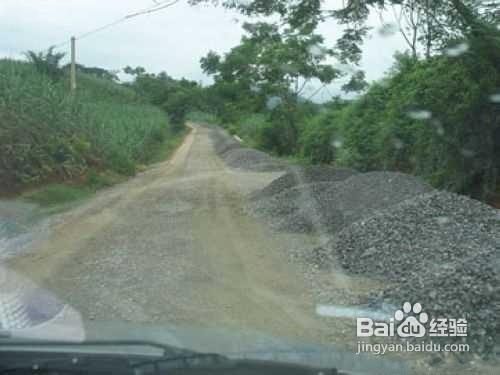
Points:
x=173, y=358
x=71, y=363
x=194, y=363
x=208, y=361
x=47, y=343
x=40, y=361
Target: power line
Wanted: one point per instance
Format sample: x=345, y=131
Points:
x=155, y=8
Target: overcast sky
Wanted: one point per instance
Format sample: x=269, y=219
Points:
x=172, y=40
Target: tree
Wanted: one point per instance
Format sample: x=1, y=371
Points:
x=273, y=61
x=46, y=62
x=176, y=97
x=95, y=71
x=138, y=71
x=269, y=71
x=430, y=24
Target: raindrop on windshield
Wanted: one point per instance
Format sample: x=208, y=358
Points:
x=440, y=129
x=398, y=143
x=337, y=142
x=244, y=3
x=273, y=102
x=420, y=114
x=388, y=29
x=457, y=50
x=344, y=68
x=255, y=88
x=442, y=220
x=288, y=68
x=466, y=153
x=495, y=98
x=317, y=51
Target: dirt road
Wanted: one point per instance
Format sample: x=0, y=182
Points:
x=173, y=246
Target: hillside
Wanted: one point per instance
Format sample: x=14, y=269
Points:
x=47, y=134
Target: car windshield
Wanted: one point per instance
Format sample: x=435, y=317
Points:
x=305, y=181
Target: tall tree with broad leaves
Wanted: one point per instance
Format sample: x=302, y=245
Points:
x=273, y=61
x=429, y=24
x=47, y=62
x=269, y=71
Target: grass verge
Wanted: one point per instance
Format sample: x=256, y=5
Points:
x=164, y=150
x=62, y=194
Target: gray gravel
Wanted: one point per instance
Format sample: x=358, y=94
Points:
x=252, y=160
x=436, y=248
x=327, y=207
x=439, y=249
x=222, y=141
x=238, y=157
x=301, y=175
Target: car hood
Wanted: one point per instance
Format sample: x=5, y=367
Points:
x=237, y=344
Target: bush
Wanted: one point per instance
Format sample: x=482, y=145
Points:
x=432, y=118
x=317, y=138
x=46, y=133
x=250, y=126
x=202, y=118
x=58, y=194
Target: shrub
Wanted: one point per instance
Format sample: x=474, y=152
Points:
x=432, y=118
x=47, y=133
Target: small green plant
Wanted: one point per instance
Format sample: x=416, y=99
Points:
x=57, y=194
x=96, y=180
x=47, y=62
x=202, y=118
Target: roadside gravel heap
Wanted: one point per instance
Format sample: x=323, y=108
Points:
x=439, y=249
x=223, y=142
x=235, y=156
x=252, y=160
x=299, y=175
x=331, y=206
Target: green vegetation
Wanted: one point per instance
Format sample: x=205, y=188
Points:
x=202, y=118
x=436, y=114
x=163, y=151
x=48, y=134
x=178, y=98
x=433, y=118
x=58, y=194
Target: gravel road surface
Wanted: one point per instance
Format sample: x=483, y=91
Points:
x=173, y=246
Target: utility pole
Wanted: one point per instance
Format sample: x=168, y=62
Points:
x=73, y=65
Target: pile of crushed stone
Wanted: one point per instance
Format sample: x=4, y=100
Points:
x=301, y=175
x=436, y=248
x=328, y=207
x=439, y=249
x=252, y=160
x=238, y=157
x=222, y=141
